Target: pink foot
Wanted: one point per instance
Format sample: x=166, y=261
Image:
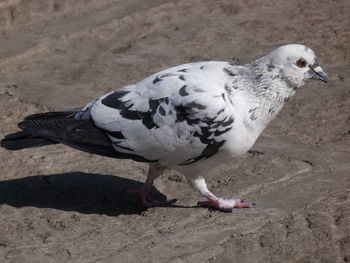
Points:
x=225, y=205
x=146, y=199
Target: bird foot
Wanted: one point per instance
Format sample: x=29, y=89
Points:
x=152, y=202
x=147, y=200
x=226, y=205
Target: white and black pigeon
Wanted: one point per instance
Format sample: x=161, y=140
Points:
x=189, y=118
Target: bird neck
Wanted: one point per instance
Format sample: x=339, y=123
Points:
x=268, y=90
x=268, y=82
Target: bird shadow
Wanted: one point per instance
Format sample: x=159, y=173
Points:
x=76, y=191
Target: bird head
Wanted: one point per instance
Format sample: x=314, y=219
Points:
x=297, y=63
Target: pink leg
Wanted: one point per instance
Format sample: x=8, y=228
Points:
x=155, y=170
x=225, y=205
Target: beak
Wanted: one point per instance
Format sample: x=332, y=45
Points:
x=316, y=72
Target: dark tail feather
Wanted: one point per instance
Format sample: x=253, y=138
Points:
x=27, y=138
x=62, y=127
x=22, y=139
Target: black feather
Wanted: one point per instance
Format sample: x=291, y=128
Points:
x=62, y=127
x=22, y=139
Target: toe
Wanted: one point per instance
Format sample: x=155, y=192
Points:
x=151, y=202
x=204, y=203
x=215, y=205
x=241, y=204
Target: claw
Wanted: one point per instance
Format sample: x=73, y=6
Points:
x=169, y=202
x=147, y=200
x=152, y=202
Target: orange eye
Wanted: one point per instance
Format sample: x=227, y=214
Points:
x=301, y=63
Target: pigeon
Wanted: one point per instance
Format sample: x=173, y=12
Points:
x=190, y=118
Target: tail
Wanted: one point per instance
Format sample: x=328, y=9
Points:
x=62, y=127
x=30, y=136
x=22, y=139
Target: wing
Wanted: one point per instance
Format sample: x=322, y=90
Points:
x=177, y=116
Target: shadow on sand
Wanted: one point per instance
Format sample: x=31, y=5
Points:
x=76, y=191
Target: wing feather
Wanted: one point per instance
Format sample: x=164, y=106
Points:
x=178, y=116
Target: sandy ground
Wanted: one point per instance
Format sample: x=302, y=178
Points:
x=61, y=205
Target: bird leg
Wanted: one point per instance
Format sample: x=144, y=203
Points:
x=155, y=170
x=225, y=205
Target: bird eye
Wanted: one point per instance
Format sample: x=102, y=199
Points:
x=301, y=63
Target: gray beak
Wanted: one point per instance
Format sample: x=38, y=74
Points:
x=316, y=72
